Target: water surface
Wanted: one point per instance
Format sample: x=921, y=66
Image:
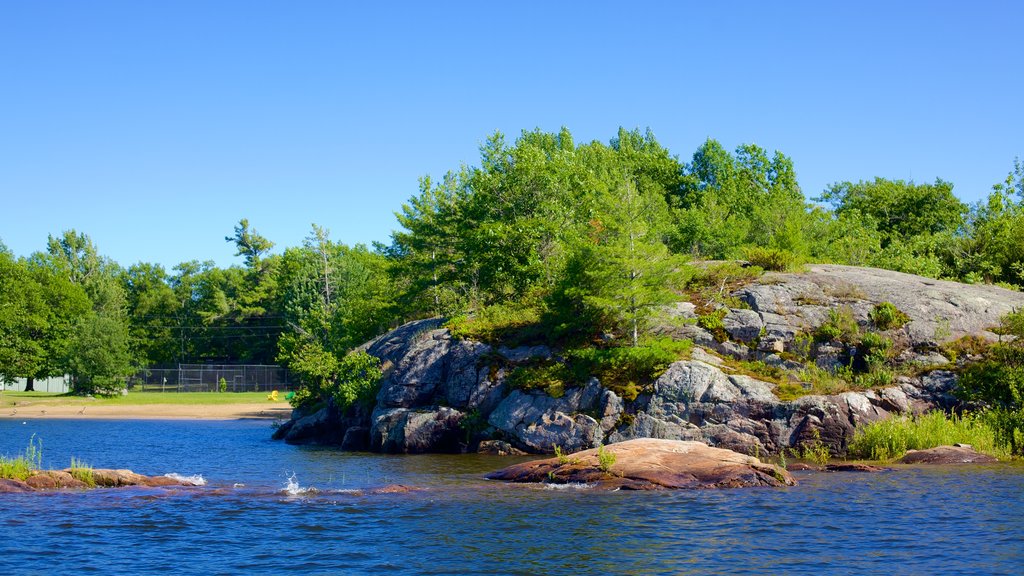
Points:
x=246, y=520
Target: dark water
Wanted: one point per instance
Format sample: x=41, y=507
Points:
x=911, y=521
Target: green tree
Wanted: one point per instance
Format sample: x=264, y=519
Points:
x=727, y=201
x=153, y=314
x=22, y=320
x=98, y=359
x=901, y=210
x=628, y=269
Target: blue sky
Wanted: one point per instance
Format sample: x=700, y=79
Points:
x=155, y=126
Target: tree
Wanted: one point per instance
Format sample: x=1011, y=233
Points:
x=628, y=268
x=250, y=244
x=22, y=320
x=901, y=210
x=153, y=314
x=75, y=256
x=98, y=358
x=727, y=201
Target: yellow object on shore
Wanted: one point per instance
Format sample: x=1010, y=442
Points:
x=272, y=396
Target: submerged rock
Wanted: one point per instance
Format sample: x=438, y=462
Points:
x=959, y=454
x=652, y=464
x=853, y=467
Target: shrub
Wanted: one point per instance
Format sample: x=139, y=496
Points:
x=618, y=368
x=771, y=258
x=890, y=439
x=512, y=323
x=874, y=349
x=605, y=459
x=356, y=377
x=887, y=316
x=713, y=322
x=840, y=325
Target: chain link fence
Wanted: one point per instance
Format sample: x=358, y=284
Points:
x=213, y=378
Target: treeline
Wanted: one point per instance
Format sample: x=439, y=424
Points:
x=575, y=240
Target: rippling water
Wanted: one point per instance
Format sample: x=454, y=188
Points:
x=248, y=519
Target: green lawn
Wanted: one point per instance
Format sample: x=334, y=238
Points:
x=136, y=398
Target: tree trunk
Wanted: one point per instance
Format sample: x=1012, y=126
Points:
x=30, y=384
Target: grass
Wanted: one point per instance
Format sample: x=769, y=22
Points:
x=135, y=399
x=892, y=438
x=82, y=472
x=20, y=467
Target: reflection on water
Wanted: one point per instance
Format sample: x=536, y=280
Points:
x=273, y=508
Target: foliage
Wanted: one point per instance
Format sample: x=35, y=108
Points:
x=814, y=450
x=344, y=381
x=512, y=324
x=900, y=209
x=729, y=200
x=82, y=472
x=713, y=321
x=840, y=326
x=890, y=439
x=605, y=459
x=98, y=356
x=772, y=259
x=626, y=370
x=887, y=316
x=873, y=349
x=21, y=467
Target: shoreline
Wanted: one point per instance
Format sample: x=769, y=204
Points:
x=240, y=411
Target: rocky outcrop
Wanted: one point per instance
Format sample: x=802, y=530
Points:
x=957, y=454
x=442, y=394
x=939, y=311
x=101, y=478
x=651, y=464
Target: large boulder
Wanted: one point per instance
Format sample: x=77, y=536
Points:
x=538, y=422
x=957, y=454
x=651, y=464
x=408, y=431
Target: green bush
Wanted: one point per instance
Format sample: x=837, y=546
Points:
x=512, y=323
x=605, y=459
x=771, y=258
x=890, y=439
x=713, y=322
x=840, y=325
x=874, y=349
x=887, y=316
x=355, y=377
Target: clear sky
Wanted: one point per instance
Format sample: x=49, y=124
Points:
x=154, y=126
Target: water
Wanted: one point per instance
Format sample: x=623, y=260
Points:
x=270, y=508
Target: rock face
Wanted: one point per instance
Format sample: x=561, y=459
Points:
x=650, y=464
x=947, y=455
x=441, y=394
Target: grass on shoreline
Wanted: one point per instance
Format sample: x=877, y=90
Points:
x=137, y=398
x=891, y=439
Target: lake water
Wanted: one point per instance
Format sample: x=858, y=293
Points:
x=909, y=521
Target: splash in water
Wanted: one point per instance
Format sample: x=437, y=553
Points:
x=292, y=487
x=569, y=486
x=195, y=479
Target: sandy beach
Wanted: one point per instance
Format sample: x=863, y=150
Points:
x=262, y=410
